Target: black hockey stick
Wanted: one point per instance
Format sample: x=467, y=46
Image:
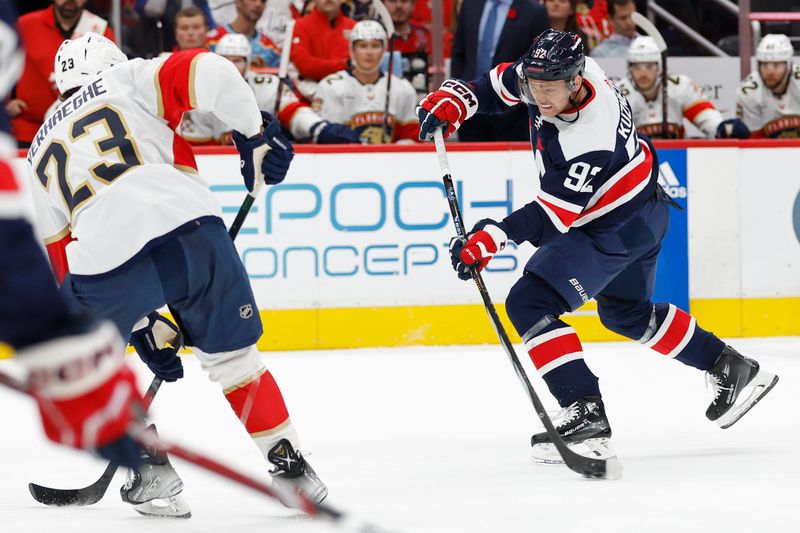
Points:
x=148, y=438
x=93, y=493
x=587, y=467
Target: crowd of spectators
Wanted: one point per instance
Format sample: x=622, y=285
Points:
x=478, y=34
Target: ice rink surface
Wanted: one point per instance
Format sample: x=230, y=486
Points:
x=437, y=440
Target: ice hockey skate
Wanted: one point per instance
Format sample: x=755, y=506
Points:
x=738, y=384
x=155, y=488
x=293, y=473
x=583, y=426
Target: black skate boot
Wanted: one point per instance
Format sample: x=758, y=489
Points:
x=155, y=488
x=293, y=473
x=738, y=384
x=583, y=426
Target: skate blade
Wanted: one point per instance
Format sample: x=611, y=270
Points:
x=756, y=389
x=595, y=448
x=172, y=507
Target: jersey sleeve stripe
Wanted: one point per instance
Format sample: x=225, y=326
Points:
x=621, y=188
x=555, y=214
x=692, y=110
x=635, y=162
x=175, y=85
x=495, y=76
x=566, y=206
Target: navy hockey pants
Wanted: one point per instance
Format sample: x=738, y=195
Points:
x=616, y=268
x=197, y=271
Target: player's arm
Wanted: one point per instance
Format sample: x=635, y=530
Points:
x=303, y=122
x=197, y=79
x=407, y=125
x=457, y=101
x=699, y=110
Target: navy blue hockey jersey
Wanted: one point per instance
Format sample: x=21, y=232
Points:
x=593, y=169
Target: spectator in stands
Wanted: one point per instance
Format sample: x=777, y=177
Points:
x=768, y=100
x=356, y=97
x=157, y=21
x=41, y=33
x=561, y=14
x=272, y=22
x=592, y=18
x=491, y=32
x=409, y=36
x=685, y=99
x=319, y=47
x=248, y=13
x=191, y=28
x=620, y=13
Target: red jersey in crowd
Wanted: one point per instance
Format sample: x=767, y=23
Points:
x=417, y=40
x=41, y=37
x=319, y=47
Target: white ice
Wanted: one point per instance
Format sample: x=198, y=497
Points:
x=437, y=440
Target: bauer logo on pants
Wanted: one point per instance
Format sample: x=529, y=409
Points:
x=246, y=311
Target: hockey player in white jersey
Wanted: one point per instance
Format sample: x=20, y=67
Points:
x=357, y=97
x=768, y=100
x=201, y=127
x=597, y=221
x=119, y=190
x=643, y=88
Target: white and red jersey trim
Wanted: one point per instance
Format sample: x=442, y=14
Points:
x=674, y=334
x=561, y=213
x=620, y=188
x=495, y=76
x=550, y=350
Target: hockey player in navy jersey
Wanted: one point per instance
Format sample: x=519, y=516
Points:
x=598, y=222
x=91, y=408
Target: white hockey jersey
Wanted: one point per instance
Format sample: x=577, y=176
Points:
x=201, y=127
x=768, y=115
x=341, y=98
x=108, y=168
x=686, y=100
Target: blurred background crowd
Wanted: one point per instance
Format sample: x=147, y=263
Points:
x=337, y=77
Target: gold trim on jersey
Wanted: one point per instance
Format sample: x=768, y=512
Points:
x=246, y=381
x=58, y=236
x=267, y=432
x=192, y=74
x=185, y=168
x=159, y=96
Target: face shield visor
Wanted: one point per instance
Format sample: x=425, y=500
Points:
x=551, y=96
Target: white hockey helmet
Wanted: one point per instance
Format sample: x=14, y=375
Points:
x=644, y=49
x=367, y=30
x=234, y=45
x=80, y=60
x=775, y=47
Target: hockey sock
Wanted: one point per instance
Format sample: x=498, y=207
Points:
x=675, y=334
x=253, y=395
x=260, y=407
x=557, y=354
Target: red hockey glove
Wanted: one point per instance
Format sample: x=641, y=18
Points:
x=487, y=238
x=449, y=106
x=84, y=390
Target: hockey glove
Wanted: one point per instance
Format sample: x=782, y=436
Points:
x=265, y=157
x=84, y=390
x=487, y=238
x=325, y=132
x=157, y=345
x=733, y=128
x=446, y=108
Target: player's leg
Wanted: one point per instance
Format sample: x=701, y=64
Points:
x=625, y=307
x=219, y=315
x=561, y=276
x=124, y=296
